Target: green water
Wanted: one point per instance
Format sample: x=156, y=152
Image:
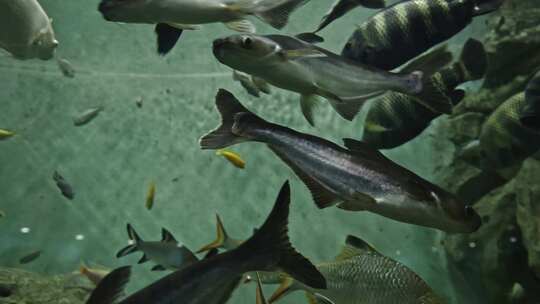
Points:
x=111, y=161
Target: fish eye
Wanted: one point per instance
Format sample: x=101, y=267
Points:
x=247, y=42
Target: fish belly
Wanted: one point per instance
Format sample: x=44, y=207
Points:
x=290, y=76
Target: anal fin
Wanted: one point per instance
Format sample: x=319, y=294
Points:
x=321, y=196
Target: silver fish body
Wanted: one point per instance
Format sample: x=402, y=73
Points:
x=25, y=30
x=354, y=178
x=86, y=116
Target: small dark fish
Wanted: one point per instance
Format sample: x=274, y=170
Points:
x=167, y=253
x=398, y=118
x=504, y=141
x=355, y=177
x=268, y=249
x=30, y=257
x=86, y=116
x=407, y=29
x=342, y=7
x=64, y=186
x=66, y=67
x=530, y=114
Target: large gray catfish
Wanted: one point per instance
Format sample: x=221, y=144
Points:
x=355, y=178
x=293, y=64
x=212, y=280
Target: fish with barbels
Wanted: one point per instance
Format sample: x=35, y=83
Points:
x=86, y=116
x=167, y=253
x=293, y=64
x=342, y=7
x=173, y=16
x=212, y=280
x=360, y=275
x=398, y=118
x=5, y=134
x=530, y=113
x=355, y=178
x=503, y=142
x=150, y=196
x=405, y=30
x=25, y=30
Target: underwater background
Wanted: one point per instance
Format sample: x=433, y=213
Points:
x=111, y=161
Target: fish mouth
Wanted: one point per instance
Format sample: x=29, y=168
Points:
x=218, y=47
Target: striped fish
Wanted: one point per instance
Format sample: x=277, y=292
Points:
x=530, y=114
x=405, y=30
x=398, y=118
x=362, y=275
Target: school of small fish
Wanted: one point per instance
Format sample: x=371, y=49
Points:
x=394, y=58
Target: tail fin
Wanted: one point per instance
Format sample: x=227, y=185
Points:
x=272, y=242
x=220, y=239
x=230, y=109
x=474, y=59
x=278, y=16
x=129, y=249
x=483, y=7
x=111, y=287
x=342, y=7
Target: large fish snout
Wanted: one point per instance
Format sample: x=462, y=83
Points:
x=218, y=46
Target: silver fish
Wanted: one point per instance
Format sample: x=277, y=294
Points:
x=212, y=280
x=26, y=31
x=66, y=67
x=354, y=178
x=86, y=116
x=295, y=65
x=173, y=16
x=360, y=275
x=167, y=253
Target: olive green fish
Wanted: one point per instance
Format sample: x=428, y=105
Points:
x=405, y=30
x=397, y=118
x=504, y=141
x=362, y=275
x=5, y=134
x=530, y=114
x=355, y=178
x=212, y=280
x=167, y=253
x=293, y=64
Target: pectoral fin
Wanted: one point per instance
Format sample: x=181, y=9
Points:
x=307, y=104
x=261, y=84
x=243, y=26
x=360, y=202
x=167, y=36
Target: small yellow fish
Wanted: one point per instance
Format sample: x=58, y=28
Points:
x=150, y=196
x=233, y=158
x=95, y=275
x=4, y=134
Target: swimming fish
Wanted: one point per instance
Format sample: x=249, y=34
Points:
x=530, y=113
x=86, y=116
x=233, y=158
x=5, y=134
x=212, y=280
x=295, y=65
x=361, y=274
x=223, y=241
x=342, y=7
x=354, y=178
x=407, y=29
x=26, y=31
x=94, y=275
x=65, y=188
x=66, y=67
x=173, y=16
x=252, y=85
x=397, y=118
x=30, y=257
x=503, y=141
x=150, y=196
x=167, y=253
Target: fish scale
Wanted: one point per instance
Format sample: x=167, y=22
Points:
x=367, y=277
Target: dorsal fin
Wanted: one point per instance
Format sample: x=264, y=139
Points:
x=354, y=246
x=166, y=236
x=363, y=149
x=322, y=197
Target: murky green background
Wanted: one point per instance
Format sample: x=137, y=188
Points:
x=111, y=161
